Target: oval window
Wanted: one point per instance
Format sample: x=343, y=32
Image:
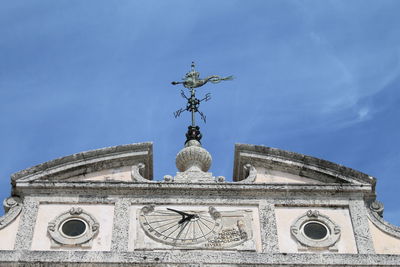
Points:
x=73, y=228
x=315, y=230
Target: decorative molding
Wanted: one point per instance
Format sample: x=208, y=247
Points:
x=194, y=177
x=305, y=243
x=375, y=213
x=136, y=171
x=220, y=179
x=297, y=164
x=168, y=178
x=251, y=173
x=89, y=161
x=254, y=190
x=13, y=207
x=377, y=207
x=59, y=239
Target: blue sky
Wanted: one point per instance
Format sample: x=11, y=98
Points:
x=320, y=78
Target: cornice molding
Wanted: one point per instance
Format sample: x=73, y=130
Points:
x=90, y=161
x=295, y=163
x=375, y=212
x=168, y=188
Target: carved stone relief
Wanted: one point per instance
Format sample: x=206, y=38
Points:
x=163, y=227
x=377, y=207
x=61, y=230
x=251, y=173
x=136, y=173
x=193, y=163
x=12, y=206
x=376, y=216
x=325, y=236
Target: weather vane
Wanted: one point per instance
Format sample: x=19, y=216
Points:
x=191, y=81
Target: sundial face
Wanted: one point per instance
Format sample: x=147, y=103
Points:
x=196, y=227
x=180, y=227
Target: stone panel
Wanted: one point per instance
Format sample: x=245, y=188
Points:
x=286, y=216
x=48, y=212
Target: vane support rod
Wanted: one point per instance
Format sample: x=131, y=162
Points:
x=191, y=81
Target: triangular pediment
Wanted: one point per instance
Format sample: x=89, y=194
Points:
x=103, y=165
x=277, y=166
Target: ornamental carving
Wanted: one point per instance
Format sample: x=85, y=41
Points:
x=251, y=172
x=377, y=207
x=193, y=157
x=13, y=207
x=74, y=227
x=196, y=227
x=136, y=173
x=315, y=231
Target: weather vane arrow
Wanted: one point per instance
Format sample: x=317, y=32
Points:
x=191, y=81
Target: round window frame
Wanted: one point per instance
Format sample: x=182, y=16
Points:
x=59, y=238
x=73, y=219
x=328, y=242
x=316, y=222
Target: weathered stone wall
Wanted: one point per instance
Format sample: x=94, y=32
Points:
x=258, y=220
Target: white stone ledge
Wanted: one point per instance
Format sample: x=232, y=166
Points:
x=211, y=258
x=116, y=188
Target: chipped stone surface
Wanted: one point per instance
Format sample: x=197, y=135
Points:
x=120, y=230
x=26, y=227
x=361, y=229
x=252, y=174
x=183, y=189
x=212, y=258
x=269, y=235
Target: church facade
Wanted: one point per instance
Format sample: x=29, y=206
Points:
x=103, y=208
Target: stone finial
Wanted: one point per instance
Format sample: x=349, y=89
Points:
x=193, y=158
x=193, y=163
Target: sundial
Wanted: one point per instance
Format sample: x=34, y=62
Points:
x=191, y=81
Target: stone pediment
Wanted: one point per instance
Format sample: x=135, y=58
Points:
x=107, y=164
x=276, y=166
